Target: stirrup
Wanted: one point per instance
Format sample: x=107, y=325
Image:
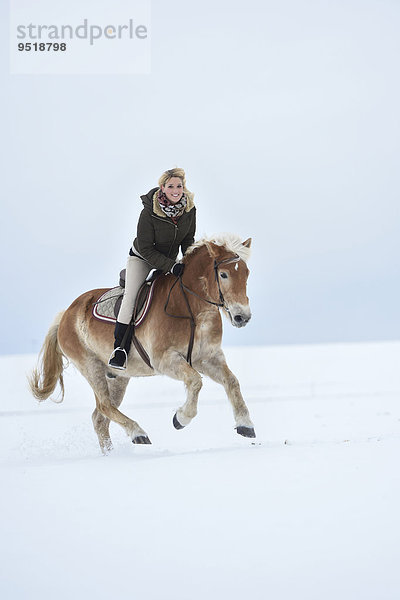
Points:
x=115, y=359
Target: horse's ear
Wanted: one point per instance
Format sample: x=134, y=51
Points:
x=247, y=243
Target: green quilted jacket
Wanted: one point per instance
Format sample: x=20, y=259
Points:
x=158, y=238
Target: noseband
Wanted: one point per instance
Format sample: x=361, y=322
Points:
x=220, y=304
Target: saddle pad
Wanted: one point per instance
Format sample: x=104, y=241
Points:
x=104, y=307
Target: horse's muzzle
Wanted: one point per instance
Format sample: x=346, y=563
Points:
x=240, y=318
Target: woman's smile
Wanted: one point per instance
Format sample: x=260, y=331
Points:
x=173, y=189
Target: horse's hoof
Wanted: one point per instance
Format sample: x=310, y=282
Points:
x=246, y=431
x=107, y=449
x=176, y=423
x=141, y=439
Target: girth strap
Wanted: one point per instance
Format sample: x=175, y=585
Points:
x=141, y=351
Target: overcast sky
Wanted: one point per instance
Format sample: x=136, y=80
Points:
x=285, y=116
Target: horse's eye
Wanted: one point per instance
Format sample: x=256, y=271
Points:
x=224, y=275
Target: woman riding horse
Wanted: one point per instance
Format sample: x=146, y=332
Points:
x=181, y=335
x=166, y=223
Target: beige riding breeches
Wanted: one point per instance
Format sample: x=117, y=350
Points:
x=136, y=272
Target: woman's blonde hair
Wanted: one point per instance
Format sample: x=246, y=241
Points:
x=176, y=172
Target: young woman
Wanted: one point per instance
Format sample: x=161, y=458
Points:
x=166, y=223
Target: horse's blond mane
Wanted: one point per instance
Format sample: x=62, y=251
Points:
x=230, y=241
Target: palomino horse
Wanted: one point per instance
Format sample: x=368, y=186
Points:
x=215, y=277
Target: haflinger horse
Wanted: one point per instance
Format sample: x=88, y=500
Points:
x=215, y=277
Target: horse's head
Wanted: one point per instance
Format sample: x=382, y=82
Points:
x=231, y=274
x=225, y=279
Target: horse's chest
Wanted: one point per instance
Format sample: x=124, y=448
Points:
x=204, y=326
x=208, y=330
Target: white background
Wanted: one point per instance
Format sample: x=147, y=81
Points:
x=285, y=117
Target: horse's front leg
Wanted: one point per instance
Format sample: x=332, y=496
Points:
x=216, y=368
x=174, y=365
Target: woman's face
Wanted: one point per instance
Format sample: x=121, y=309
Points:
x=173, y=189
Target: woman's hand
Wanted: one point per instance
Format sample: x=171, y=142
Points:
x=178, y=269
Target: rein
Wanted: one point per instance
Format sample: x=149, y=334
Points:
x=184, y=289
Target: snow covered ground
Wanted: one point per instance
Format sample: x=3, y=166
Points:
x=309, y=510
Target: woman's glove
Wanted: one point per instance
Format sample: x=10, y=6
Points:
x=178, y=269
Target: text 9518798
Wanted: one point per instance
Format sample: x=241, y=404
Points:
x=42, y=47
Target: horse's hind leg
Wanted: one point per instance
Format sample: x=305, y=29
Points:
x=216, y=368
x=101, y=423
x=175, y=366
x=109, y=394
x=101, y=426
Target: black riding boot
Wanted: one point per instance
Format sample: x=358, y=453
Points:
x=119, y=356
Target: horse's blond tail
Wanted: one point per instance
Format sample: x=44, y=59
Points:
x=44, y=378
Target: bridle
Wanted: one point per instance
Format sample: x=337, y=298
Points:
x=220, y=304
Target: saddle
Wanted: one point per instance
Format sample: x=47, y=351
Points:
x=106, y=308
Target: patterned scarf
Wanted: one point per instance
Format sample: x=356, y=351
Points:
x=174, y=211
